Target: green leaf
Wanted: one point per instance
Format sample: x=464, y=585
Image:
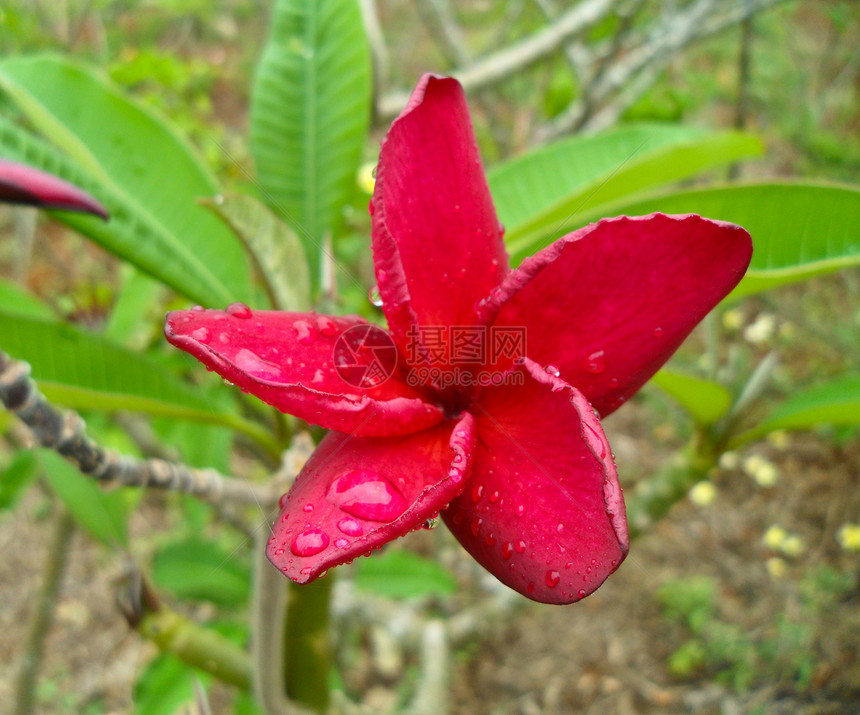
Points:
x=310, y=109
x=836, y=402
x=17, y=301
x=799, y=230
x=132, y=160
x=83, y=370
x=165, y=686
x=104, y=514
x=537, y=194
x=197, y=568
x=275, y=249
x=403, y=574
x=16, y=477
x=704, y=400
x=131, y=319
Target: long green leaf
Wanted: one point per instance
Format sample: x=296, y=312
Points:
x=536, y=194
x=836, y=402
x=201, y=569
x=84, y=371
x=706, y=401
x=275, y=249
x=141, y=169
x=404, y=574
x=310, y=109
x=18, y=301
x=104, y=514
x=799, y=230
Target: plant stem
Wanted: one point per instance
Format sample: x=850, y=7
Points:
x=307, y=650
x=198, y=646
x=652, y=498
x=40, y=623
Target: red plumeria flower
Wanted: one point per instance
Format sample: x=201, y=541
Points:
x=22, y=184
x=510, y=451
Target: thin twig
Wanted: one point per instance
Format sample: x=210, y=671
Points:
x=64, y=432
x=40, y=622
x=438, y=18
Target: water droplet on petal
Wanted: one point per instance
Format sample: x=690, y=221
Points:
x=552, y=370
x=374, y=296
x=282, y=502
x=201, y=335
x=553, y=578
x=520, y=546
x=507, y=550
x=197, y=309
x=477, y=493
x=494, y=497
x=521, y=509
x=596, y=362
x=530, y=588
x=581, y=593
x=366, y=495
x=305, y=332
x=350, y=527
x=309, y=542
x=431, y=523
x=476, y=526
x=239, y=310
x=252, y=364
x=491, y=539
x=326, y=325
x=318, y=378
x=658, y=332
x=308, y=508
x=341, y=543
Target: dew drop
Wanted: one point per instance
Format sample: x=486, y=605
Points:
x=476, y=526
x=223, y=338
x=282, y=502
x=520, y=546
x=201, y=335
x=494, y=497
x=366, y=495
x=521, y=509
x=553, y=578
x=305, y=571
x=350, y=527
x=581, y=593
x=239, y=310
x=305, y=332
x=318, y=378
x=309, y=542
x=326, y=325
x=560, y=527
x=658, y=332
x=374, y=296
x=341, y=543
x=477, y=493
x=308, y=508
x=252, y=364
x=531, y=587
x=596, y=362
x=507, y=550
x=197, y=309
x=491, y=539
x=431, y=523
x=279, y=551
x=552, y=370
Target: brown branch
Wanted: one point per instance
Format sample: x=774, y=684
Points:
x=499, y=65
x=64, y=432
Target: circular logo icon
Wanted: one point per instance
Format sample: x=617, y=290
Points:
x=364, y=356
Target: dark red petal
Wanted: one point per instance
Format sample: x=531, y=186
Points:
x=357, y=493
x=609, y=304
x=308, y=365
x=437, y=243
x=543, y=510
x=22, y=184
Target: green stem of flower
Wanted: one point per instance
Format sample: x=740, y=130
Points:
x=198, y=646
x=307, y=648
x=652, y=498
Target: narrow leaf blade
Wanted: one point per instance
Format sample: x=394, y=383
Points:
x=704, y=400
x=310, y=109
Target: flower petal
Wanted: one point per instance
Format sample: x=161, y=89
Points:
x=357, y=493
x=609, y=304
x=22, y=184
x=543, y=510
x=336, y=372
x=437, y=242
